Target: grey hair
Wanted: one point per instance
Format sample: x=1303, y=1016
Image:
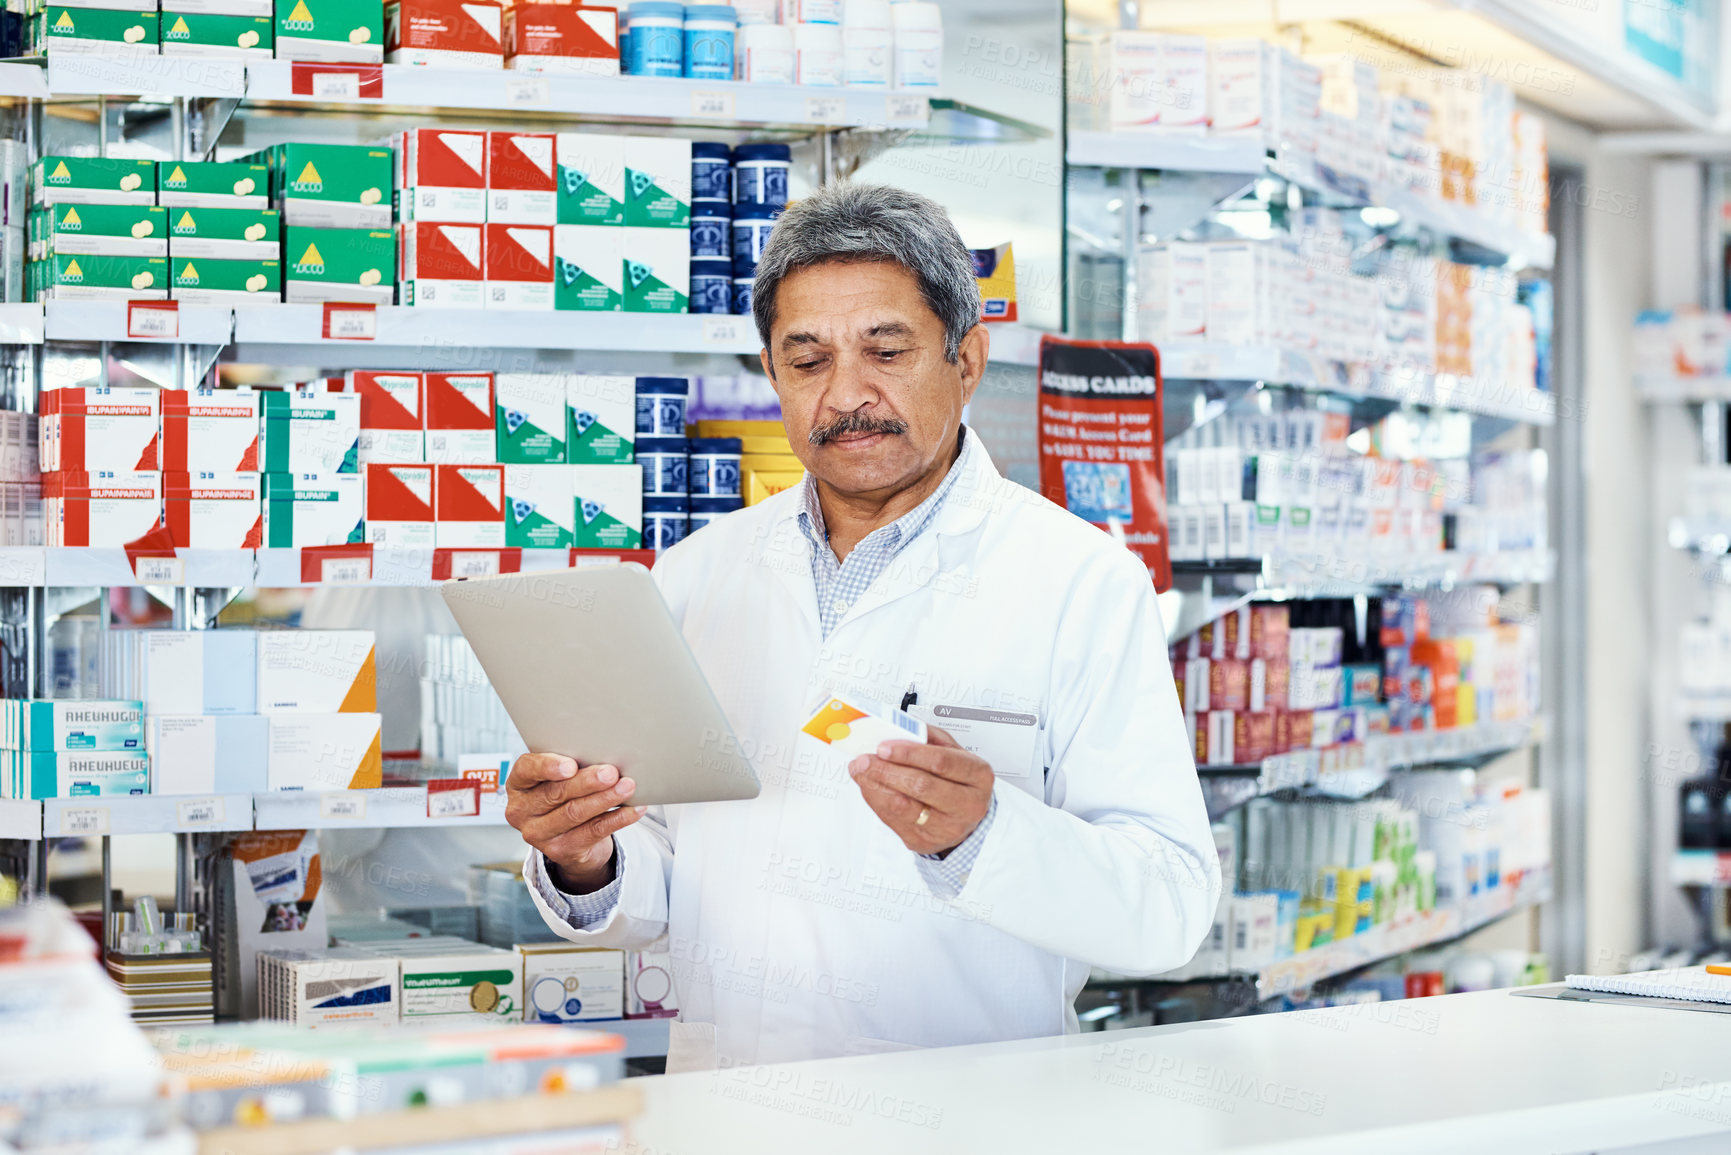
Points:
x=866, y=222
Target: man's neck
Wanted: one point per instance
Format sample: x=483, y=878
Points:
x=851, y=518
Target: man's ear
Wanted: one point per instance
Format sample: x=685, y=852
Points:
x=971, y=358
x=768, y=368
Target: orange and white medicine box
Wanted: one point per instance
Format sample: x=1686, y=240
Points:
x=391, y=414
x=400, y=505
x=469, y=505
x=520, y=181
x=106, y=508
x=211, y=510
x=562, y=38
x=100, y=429
x=442, y=265
x=851, y=727
x=520, y=267
x=445, y=33
x=213, y=430
x=460, y=419
x=324, y=751
x=441, y=175
x=317, y=672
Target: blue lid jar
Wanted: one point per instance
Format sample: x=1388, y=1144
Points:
x=711, y=149
x=666, y=505
x=711, y=285
x=715, y=445
x=762, y=151
x=664, y=385
x=661, y=406
x=654, y=39
x=711, y=228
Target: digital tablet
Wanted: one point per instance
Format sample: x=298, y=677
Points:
x=590, y=664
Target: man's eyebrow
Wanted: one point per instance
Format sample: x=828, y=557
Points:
x=891, y=329
x=794, y=340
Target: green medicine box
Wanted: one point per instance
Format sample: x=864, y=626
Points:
x=339, y=265
x=234, y=37
x=331, y=30
x=62, y=29
x=66, y=277
x=225, y=234
x=88, y=180
x=199, y=281
x=212, y=184
x=330, y=186
x=99, y=230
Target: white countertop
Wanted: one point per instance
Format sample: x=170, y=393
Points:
x=1486, y=1073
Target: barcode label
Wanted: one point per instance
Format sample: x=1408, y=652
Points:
x=470, y=564
x=160, y=571
x=199, y=811
x=527, y=91
x=342, y=806
x=825, y=109
x=900, y=108
x=346, y=571
x=336, y=86
x=90, y=821
x=718, y=105
x=906, y=722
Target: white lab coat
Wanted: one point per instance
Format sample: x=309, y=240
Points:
x=798, y=924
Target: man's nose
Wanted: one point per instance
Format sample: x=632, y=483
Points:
x=850, y=384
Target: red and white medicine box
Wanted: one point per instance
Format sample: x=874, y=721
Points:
x=208, y=509
x=400, y=505
x=86, y=430
x=519, y=267
x=445, y=33
x=460, y=421
x=520, y=179
x=103, y=508
x=442, y=175
x=562, y=38
x=469, y=503
x=391, y=414
x=210, y=430
x=442, y=265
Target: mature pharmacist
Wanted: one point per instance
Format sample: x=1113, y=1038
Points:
x=927, y=896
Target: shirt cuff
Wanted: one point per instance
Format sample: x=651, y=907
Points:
x=580, y=911
x=946, y=876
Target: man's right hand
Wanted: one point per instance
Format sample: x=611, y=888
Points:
x=570, y=815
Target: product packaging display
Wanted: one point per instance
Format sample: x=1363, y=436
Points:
x=320, y=752
x=213, y=185
x=313, y=509
x=540, y=506
x=400, y=510
x=657, y=182
x=316, y=672
x=391, y=414
x=99, y=230
x=100, y=429
x=441, y=175
x=202, y=754
x=56, y=180
x=519, y=273
x=657, y=270
x=602, y=421
x=445, y=33
x=115, y=726
x=61, y=278
x=61, y=30
x=226, y=234
x=564, y=983
x=460, y=419
x=229, y=37
x=214, y=510
x=336, y=264
x=307, y=432
x=532, y=412
x=588, y=268
x=210, y=430
x=330, y=186
x=38, y=774
x=335, y=986
x=469, y=507
x=522, y=189
x=649, y=989
x=218, y=282
x=443, y=265
x=591, y=186
x=581, y=40
x=331, y=30
x=107, y=508
x=609, y=506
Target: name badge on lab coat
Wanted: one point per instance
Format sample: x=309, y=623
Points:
x=1008, y=741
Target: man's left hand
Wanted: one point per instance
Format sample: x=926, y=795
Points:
x=950, y=786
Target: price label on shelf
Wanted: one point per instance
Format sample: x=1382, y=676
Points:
x=343, y=806
x=159, y=571
x=453, y=798
x=336, y=86
x=523, y=91
x=351, y=322
x=86, y=821
x=346, y=571
x=474, y=563
x=724, y=330
x=715, y=105
x=153, y=320
x=199, y=811
x=825, y=109
x=900, y=107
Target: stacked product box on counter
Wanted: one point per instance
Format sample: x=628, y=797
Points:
x=461, y=714
x=242, y=711
x=1286, y=484
x=1254, y=684
x=21, y=512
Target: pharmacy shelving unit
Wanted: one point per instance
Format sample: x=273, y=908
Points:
x=1126, y=189
x=179, y=109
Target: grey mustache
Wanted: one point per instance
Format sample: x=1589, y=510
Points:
x=856, y=423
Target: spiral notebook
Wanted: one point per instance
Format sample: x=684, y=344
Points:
x=1689, y=984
